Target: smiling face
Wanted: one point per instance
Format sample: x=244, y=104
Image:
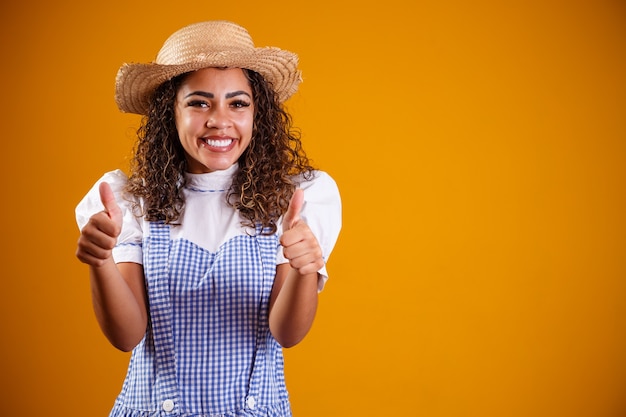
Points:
x=214, y=114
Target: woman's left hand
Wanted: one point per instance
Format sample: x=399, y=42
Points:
x=299, y=243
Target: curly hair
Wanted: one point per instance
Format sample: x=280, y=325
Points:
x=261, y=188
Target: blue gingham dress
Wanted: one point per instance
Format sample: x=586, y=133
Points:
x=208, y=350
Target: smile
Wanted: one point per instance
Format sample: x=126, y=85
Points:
x=218, y=143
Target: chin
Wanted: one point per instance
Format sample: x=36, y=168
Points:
x=219, y=166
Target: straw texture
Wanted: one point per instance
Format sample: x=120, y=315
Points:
x=203, y=45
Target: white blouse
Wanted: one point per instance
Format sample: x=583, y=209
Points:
x=208, y=221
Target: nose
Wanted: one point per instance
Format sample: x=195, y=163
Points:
x=218, y=118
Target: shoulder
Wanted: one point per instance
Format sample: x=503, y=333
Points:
x=317, y=185
x=91, y=204
x=322, y=202
x=117, y=179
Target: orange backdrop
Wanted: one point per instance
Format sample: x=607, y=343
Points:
x=480, y=148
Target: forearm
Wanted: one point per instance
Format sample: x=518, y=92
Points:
x=119, y=303
x=294, y=305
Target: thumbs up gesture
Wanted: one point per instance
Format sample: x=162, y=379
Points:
x=99, y=236
x=300, y=246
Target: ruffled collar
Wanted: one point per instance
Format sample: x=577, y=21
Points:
x=215, y=181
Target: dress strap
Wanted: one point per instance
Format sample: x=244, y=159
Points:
x=161, y=310
x=268, y=245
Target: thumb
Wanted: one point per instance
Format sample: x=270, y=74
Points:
x=292, y=216
x=110, y=205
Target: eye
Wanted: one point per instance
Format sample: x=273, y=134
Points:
x=240, y=104
x=198, y=103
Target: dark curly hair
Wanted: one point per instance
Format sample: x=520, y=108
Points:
x=261, y=188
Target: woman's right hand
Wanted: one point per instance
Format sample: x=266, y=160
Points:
x=99, y=236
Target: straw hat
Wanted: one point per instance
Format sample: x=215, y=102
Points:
x=202, y=45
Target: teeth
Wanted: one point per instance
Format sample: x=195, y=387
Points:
x=220, y=143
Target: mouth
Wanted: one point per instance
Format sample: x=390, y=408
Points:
x=218, y=145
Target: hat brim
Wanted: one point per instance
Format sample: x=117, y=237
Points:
x=135, y=83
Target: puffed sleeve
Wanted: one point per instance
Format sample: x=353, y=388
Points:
x=322, y=212
x=129, y=242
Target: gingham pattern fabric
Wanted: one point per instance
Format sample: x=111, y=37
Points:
x=196, y=359
x=208, y=351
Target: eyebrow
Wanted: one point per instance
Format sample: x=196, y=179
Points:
x=211, y=95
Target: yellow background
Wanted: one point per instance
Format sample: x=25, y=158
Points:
x=480, y=147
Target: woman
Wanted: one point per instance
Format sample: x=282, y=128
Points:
x=208, y=258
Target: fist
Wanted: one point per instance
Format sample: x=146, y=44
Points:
x=300, y=246
x=99, y=236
